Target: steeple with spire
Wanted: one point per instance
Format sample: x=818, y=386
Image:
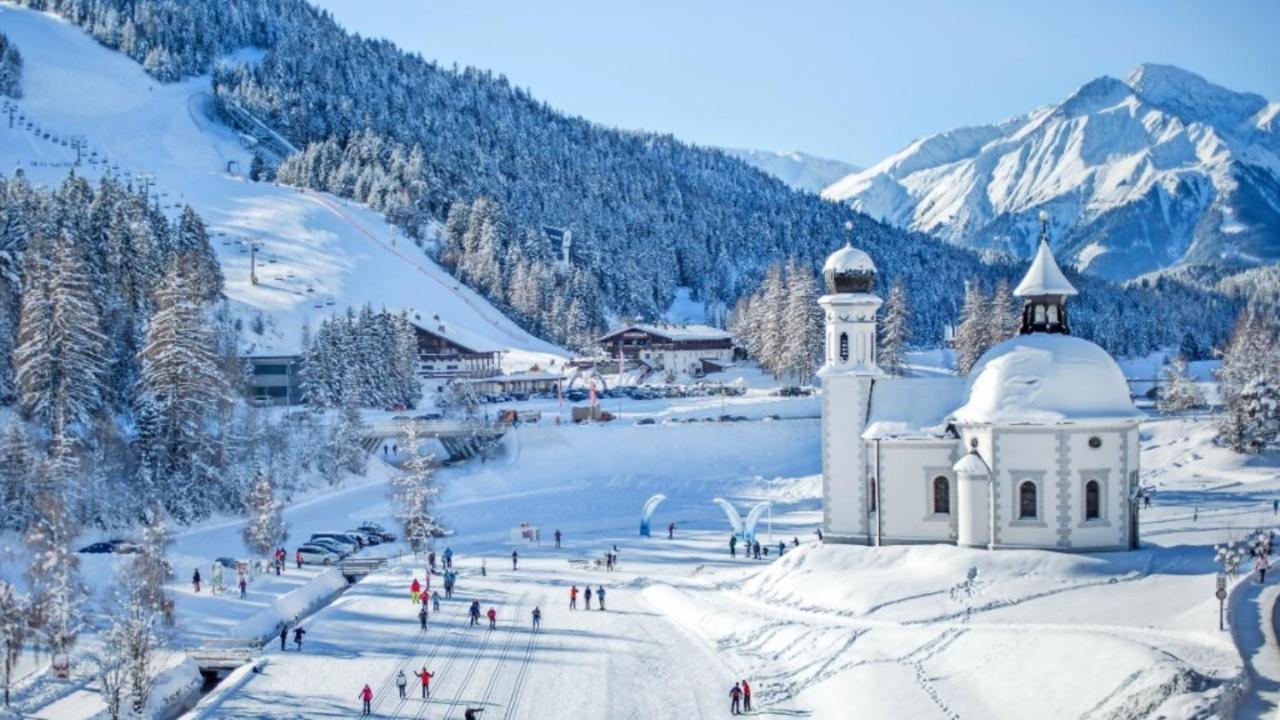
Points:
x=1044, y=290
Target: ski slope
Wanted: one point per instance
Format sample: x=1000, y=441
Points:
x=317, y=254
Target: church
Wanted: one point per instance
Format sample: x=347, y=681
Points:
x=1037, y=448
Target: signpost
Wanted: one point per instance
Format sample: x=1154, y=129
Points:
x=1221, y=594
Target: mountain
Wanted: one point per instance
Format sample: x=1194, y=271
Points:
x=1160, y=169
x=798, y=170
x=317, y=254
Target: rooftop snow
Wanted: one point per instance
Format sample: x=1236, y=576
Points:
x=1044, y=277
x=848, y=259
x=1041, y=379
x=912, y=407
x=677, y=332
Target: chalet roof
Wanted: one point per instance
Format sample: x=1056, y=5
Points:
x=674, y=333
x=461, y=337
x=1044, y=277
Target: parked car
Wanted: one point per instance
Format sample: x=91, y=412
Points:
x=341, y=537
x=226, y=562
x=110, y=546
x=376, y=529
x=340, y=549
x=646, y=421
x=366, y=539
x=317, y=555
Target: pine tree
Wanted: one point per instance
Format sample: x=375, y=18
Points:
x=131, y=644
x=770, y=307
x=150, y=566
x=895, y=331
x=1246, y=378
x=265, y=530
x=802, y=326
x=191, y=244
x=60, y=358
x=1002, y=316
x=14, y=619
x=57, y=592
x=971, y=334
x=1180, y=391
x=15, y=477
x=413, y=490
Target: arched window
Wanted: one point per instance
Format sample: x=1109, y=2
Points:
x=941, y=495
x=844, y=347
x=1053, y=315
x=1027, y=501
x=1092, y=500
x=1039, y=314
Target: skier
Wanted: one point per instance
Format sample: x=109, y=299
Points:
x=600, y=596
x=243, y=587
x=782, y=547
x=474, y=611
x=195, y=579
x=297, y=558
x=1146, y=500
x=474, y=713
x=415, y=589
x=755, y=549
x=557, y=538
x=431, y=560
x=493, y=618
x=367, y=696
x=671, y=531
x=573, y=598
x=422, y=616
x=484, y=568
x=284, y=633
x=586, y=595
x=537, y=618
x=515, y=557
x=401, y=683
x=608, y=561
x=395, y=449
x=435, y=601
x=735, y=699
x=385, y=449
x=425, y=677
x=819, y=532
x=795, y=541
x=1275, y=506
x=733, y=546
x=448, y=558
x=298, y=632
x=1261, y=566
x=746, y=696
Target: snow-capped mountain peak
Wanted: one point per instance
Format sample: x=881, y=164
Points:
x=1161, y=168
x=799, y=170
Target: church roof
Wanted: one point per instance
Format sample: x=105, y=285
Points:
x=1044, y=277
x=1043, y=379
x=674, y=333
x=848, y=259
x=912, y=407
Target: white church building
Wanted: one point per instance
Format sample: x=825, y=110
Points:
x=1037, y=448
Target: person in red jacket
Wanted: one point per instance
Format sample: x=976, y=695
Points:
x=746, y=697
x=415, y=590
x=573, y=598
x=493, y=618
x=367, y=696
x=297, y=558
x=425, y=677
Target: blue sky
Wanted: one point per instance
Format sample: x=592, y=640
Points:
x=839, y=79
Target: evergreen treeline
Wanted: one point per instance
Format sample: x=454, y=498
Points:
x=367, y=359
x=648, y=213
x=781, y=324
x=10, y=68
x=1250, y=385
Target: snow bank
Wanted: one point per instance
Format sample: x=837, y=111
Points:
x=290, y=607
x=228, y=687
x=177, y=687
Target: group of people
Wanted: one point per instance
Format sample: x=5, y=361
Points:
x=586, y=595
x=753, y=549
x=740, y=698
x=298, y=632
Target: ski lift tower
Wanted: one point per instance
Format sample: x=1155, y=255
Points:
x=254, y=246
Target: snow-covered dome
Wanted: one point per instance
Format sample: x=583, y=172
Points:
x=1043, y=379
x=849, y=270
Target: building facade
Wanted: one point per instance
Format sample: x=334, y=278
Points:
x=692, y=350
x=274, y=380
x=1037, y=448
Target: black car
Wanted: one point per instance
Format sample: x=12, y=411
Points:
x=110, y=546
x=646, y=421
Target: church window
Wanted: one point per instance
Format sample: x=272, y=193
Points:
x=1053, y=314
x=1039, y=311
x=1095, y=442
x=844, y=347
x=1027, y=501
x=941, y=495
x=1092, y=500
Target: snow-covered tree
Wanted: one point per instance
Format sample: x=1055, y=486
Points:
x=413, y=490
x=196, y=257
x=265, y=530
x=15, y=477
x=895, y=331
x=150, y=567
x=60, y=358
x=769, y=308
x=1249, y=378
x=1002, y=315
x=131, y=644
x=972, y=333
x=14, y=618
x=57, y=592
x=801, y=325
x=10, y=68
x=1180, y=391
x=343, y=450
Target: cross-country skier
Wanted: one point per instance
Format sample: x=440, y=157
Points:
x=557, y=538
x=244, y=586
x=297, y=558
x=735, y=699
x=586, y=595
x=537, y=617
x=431, y=560
x=401, y=683
x=795, y=542
x=573, y=598
x=515, y=557
x=367, y=696
x=755, y=549
x=671, y=531
x=298, y=632
x=493, y=618
x=422, y=616
x=1261, y=566
x=475, y=612
x=782, y=547
x=425, y=677
x=195, y=579
x=435, y=601
x=284, y=634
x=448, y=558
x=600, y=596
x=733, y=546
x=415, y=590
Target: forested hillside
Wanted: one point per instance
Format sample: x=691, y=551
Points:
x=648, y=213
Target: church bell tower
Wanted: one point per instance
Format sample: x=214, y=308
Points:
x=849, y=313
